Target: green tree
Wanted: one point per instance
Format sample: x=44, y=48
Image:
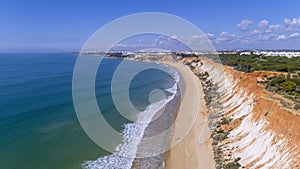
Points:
x=277, y=81
x=288, y=85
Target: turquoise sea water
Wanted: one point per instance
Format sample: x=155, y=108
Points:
x=38, y=123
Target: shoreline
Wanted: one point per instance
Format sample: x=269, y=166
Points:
x=155, y=127
x=195, y=149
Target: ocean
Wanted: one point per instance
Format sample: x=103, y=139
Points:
x=38, y=123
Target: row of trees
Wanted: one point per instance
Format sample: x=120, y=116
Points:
x=249, y=63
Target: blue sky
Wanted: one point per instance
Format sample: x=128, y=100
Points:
x=57, y=25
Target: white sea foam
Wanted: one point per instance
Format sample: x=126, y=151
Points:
x=173, y=89
x=132, y=135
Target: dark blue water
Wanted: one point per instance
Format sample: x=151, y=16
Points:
x=38, y=124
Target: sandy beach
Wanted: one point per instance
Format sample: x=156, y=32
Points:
x=194, y=150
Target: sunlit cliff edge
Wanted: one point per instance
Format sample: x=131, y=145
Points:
x=252, y=127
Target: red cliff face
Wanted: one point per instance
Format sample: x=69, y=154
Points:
x=279, y=133
x=263, y=131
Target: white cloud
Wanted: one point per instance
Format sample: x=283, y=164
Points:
x=263, y=32
x=266, y=37
x=244, y=25
x=268, y=31
x=174, y=36
x=226, y=37
x=295, y=21
x=287, y=21
x=264, y=27
x=165, y=40
x=255, y=32
x=290, y=36
x=275, y=27
x=295, y=35
x=210, y=35
x=263, y=24
x=203, y=38
x=198, y=36
x=247, y=41
x=292, y=22
x=281, y=37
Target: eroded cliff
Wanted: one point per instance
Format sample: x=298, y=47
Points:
x=252, y=127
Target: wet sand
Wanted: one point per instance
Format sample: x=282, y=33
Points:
x=193, y=150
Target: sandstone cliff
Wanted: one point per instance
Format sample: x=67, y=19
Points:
x=260, y=130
